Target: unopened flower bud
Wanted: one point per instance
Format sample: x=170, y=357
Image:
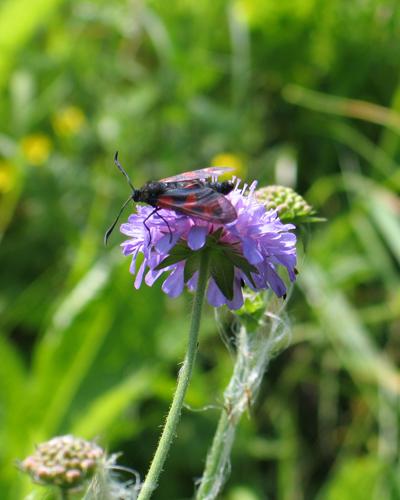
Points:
x=64, y=461
x=287, y=202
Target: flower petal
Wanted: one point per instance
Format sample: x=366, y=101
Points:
x=139, y=276
x=237, y=301
x=168, y=241
x=258, y=235
x=276, y=282
x=174, y=284
x=250, y=251
x=197, y=237
x=152, y=276
x=214, y=295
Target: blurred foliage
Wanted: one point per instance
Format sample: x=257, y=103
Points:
x=303, y=93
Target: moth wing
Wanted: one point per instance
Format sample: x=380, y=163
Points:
x=202, y=203
x=203, y=173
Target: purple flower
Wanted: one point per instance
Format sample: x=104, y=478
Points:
x=244, y=251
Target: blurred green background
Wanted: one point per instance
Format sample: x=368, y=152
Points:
x=303, y=93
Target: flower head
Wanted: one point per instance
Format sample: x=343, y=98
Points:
x=72, y=464
x=245, y=251
x=64, y=461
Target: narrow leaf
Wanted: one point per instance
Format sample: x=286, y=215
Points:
x=240, y=262
x=178, y=253
x=191, y=266
x=170, y=261
x=223, y=273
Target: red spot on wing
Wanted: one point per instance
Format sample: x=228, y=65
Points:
x=191, y=199
x=165, y=202
x=216, y=208
x=204, y=204
x=209, y=210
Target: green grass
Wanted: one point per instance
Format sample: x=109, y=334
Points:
x=171, y=86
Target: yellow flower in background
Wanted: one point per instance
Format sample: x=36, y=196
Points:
x=8, y=176
x=69, y=121
x=36, y=148
x=232, y=161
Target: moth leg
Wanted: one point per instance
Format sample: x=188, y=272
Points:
x=156, y=211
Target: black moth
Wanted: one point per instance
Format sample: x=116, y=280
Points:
x=186, y=194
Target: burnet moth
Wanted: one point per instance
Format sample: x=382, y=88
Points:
x=187, y=194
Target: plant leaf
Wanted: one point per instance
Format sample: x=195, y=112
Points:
x=241, y=263
x=191, y=266
x=223, y=272
x=178, y=253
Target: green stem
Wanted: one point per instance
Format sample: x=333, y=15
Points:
x=64, y=494
x=185, y=373
x=217, y=460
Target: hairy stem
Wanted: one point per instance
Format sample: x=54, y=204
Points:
x=185, y=374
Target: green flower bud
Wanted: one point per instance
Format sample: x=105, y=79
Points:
x=287, y=202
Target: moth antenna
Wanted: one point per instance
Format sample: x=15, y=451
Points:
x=127, y=201
x=122, y=170
x=116, y=220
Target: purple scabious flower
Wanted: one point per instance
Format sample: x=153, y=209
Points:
x=244, y=251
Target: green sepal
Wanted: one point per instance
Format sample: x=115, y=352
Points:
x=224, y=259
x=223, y=272
x=315, y=219
x=192, y=265
x=215, y=236
x=178, y=253
x=241, y=263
